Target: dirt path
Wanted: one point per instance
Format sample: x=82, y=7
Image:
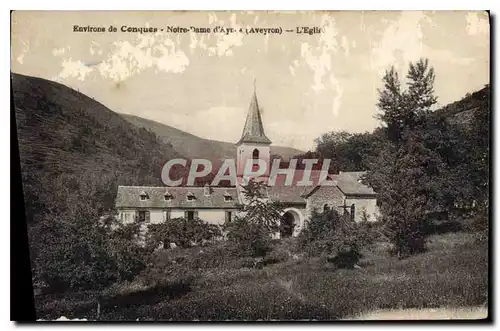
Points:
x=425, y=314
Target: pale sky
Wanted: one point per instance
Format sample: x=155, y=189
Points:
x=202, y=83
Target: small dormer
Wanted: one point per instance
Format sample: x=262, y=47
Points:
x=190, y=196
x=144, y=196
x=227, y=197
x=168, y=196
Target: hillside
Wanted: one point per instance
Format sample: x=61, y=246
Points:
x=462, y=111
x=195, y=147
x=70, y=144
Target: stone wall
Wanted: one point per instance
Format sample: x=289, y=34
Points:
x=325, y=195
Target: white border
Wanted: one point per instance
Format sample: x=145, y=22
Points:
x=191, y=5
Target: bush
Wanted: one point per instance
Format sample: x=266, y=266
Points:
x=168, y=268
x=439, y=227
x=86, y=255
x=338, y=238
x=184, y=233
x=247, y=239
x=277, y=255
x=207, y=257
x=407, y=237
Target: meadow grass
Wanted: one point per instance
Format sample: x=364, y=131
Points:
x=453, y=272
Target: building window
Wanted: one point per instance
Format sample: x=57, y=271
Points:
x=326, y=208
x=190, y=215
x=190, y=196
x=143, y=216
x=167, y=215
x=228, y=216
x=353, y=212
x=168, y=196
x=228, y=198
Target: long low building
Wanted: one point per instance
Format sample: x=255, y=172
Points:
x=158, y=204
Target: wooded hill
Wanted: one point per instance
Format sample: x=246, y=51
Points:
x=70, y=144
x=462, y=111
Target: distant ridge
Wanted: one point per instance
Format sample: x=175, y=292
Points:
x=195, y=147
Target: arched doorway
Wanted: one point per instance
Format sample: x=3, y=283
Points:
x=287, y=225
x=291, y=222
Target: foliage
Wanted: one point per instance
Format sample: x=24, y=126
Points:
x=406, y=172
x=83, y=253
x=258, y=209
x=454, y=147
x=181, y=231
x=250, y=233
x=336, y=236
x=479, y=157
x=247, y=238
x=347, y=151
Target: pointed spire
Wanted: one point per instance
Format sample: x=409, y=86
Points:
x=253, y=131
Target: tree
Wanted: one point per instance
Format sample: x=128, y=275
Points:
x=258, y=209
x=349, y=152
x=404, y=110
x=250, y=233
x=405, y=173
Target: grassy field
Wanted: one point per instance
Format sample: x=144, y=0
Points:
x=452, y=273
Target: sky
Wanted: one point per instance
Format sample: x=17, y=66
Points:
x=307, y=84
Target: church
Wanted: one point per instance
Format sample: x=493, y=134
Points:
x=217, y=205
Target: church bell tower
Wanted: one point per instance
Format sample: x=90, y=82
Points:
x=254, y=144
